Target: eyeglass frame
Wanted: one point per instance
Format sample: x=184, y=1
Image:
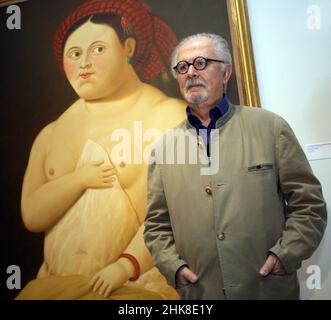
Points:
x=192, y=64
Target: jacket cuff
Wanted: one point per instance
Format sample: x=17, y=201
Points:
x=290, y=264
x=171, y=274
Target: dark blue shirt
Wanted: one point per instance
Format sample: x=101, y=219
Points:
x=220, y=109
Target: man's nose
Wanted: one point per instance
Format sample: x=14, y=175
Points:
x=192, y=72
x=85, y=62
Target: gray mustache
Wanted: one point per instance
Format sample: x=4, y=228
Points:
x=194, y=82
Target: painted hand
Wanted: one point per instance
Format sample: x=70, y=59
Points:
x=96, y=175
x=109, y=279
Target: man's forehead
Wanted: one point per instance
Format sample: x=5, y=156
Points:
x=201, y=46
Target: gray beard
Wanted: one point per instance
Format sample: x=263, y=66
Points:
x=198, y=99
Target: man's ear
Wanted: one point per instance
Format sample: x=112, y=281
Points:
x=130, y=47
x=227, y=73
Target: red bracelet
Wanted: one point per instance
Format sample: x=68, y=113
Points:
x=135, y=264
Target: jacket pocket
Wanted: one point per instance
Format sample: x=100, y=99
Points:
x=263, y=167
x=194, y=291
x=185, y=291
x=281, y=286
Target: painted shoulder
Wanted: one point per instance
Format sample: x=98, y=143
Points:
x=162, y=107
x=77, y=108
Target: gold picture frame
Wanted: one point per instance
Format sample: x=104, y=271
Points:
x=243, y=53
x=5, y=3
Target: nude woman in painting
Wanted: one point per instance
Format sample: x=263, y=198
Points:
x=89, y=203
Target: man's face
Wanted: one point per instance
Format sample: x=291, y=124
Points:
x=202, y=87
x=93, y=61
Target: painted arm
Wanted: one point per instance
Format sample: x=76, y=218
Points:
x=116, y=274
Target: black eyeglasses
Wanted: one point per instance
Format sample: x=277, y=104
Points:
x=199, y=63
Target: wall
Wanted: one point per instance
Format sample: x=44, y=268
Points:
x=292, y=48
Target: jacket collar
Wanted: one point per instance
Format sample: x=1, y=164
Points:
x=219, y=123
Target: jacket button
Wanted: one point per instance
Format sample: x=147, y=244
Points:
x=209, y=190
x=221, y=236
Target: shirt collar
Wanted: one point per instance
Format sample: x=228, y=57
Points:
x=215, y=113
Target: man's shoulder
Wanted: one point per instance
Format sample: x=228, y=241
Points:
x=255, y=113
x=181, y=125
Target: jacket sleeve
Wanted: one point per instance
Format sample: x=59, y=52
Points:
x=305, y=207
x=158, y=232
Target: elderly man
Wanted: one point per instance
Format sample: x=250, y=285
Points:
x=242, y=231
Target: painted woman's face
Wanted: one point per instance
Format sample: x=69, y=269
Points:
x=94, y=61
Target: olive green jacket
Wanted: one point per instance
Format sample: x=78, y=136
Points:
x=261, y=198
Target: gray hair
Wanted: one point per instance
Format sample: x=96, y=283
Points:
x=221, y=48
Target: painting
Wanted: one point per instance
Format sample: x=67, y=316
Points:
x=36, y=93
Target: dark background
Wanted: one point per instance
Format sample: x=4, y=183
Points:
x=34, y=92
